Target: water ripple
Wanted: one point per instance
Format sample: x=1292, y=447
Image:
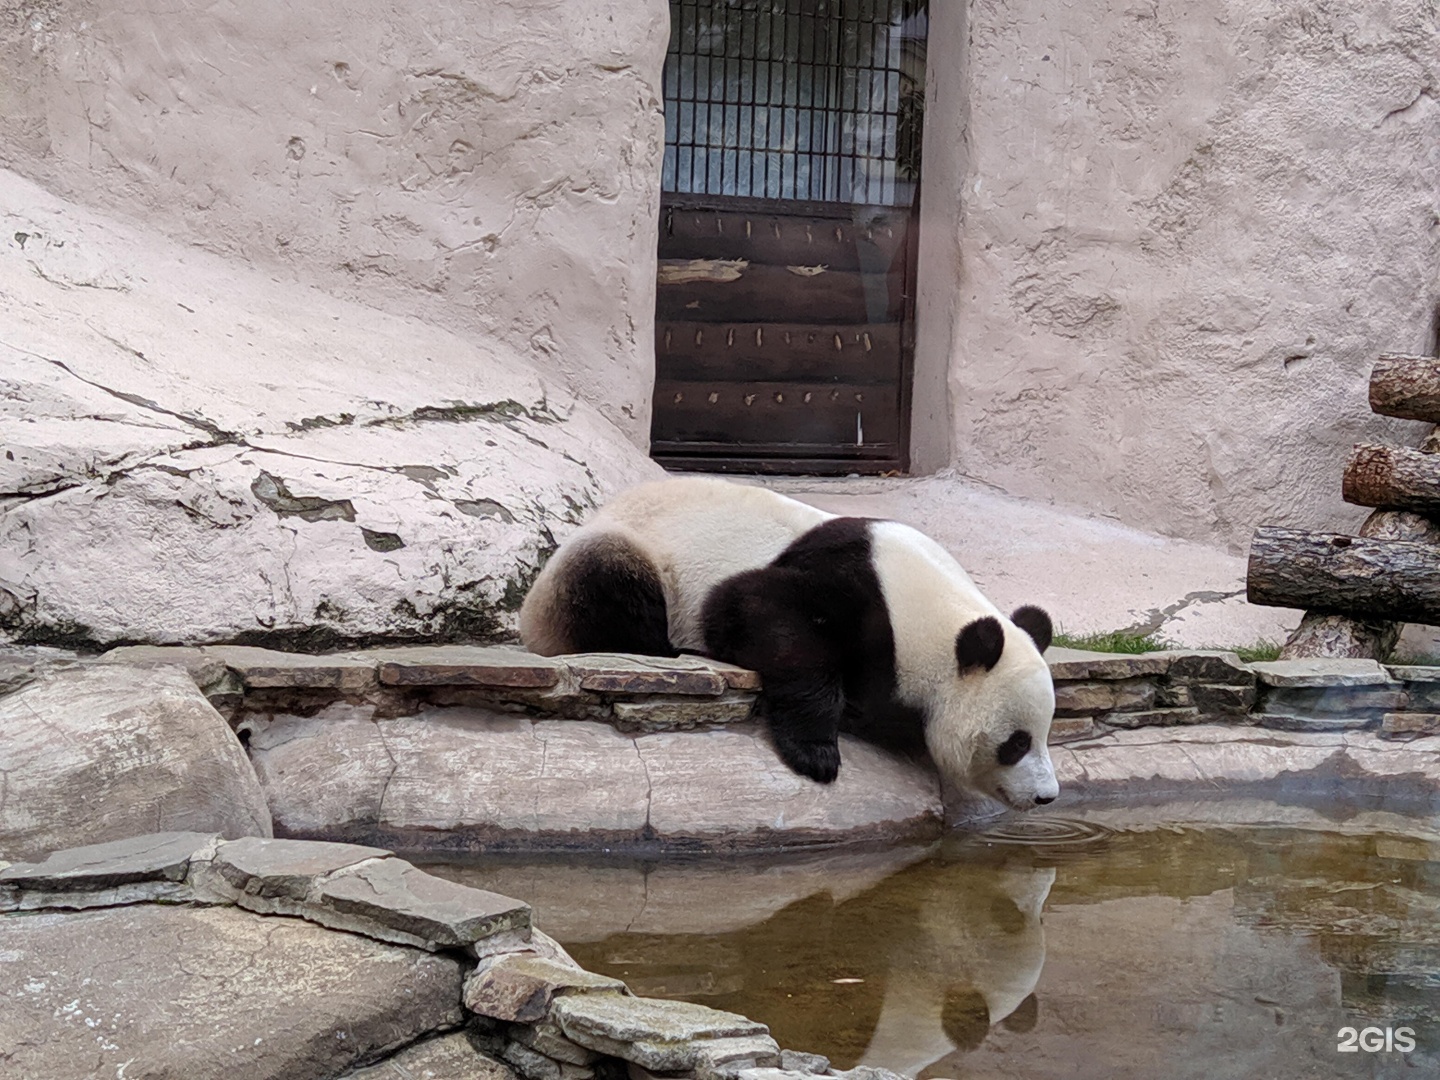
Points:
x=1037, y=830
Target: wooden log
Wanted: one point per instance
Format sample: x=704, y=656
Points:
x=1327, y=635
x=1394, y=478
x=1365, y=578
x=1406, y=386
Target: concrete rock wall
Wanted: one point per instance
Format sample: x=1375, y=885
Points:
x=493, y=167
x=1191, y=228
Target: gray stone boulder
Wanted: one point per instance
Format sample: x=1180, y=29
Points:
x=466, y=778
x=446, y=1057
x=196, y=452
x=101, y=752
x=173, y=993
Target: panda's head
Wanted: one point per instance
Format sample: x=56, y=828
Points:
x=989, y=727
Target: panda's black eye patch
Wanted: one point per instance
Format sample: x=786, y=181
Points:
x=1014, y=748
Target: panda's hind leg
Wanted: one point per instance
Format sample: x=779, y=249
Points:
x=603, y=595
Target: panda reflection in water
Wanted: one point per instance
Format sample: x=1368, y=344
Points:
x=856, y=625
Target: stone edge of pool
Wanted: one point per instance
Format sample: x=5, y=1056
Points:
x=461, y=749
x=499, y=999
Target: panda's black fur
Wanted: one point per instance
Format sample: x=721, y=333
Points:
x=811, y=618
x=815, y=626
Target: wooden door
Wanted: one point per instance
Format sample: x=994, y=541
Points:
x=785, y=300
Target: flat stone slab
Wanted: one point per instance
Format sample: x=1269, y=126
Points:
x=652, y=1033
x=285, y=868
x=463, y=778
x=614, y=673
x=202, y=993
x=1409, y=723
x=262, y=669
x=1321, y=673
x=465, y=665
x=105, y=751
x=1211, y=758
x=447, y=1057
x=155, y=857
x=1414, y=673
x=645, y=717
x=1082, y=664
x=520, y=988
x=402, y=897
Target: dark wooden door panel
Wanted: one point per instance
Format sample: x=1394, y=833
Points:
x=752, y=352
x=708, y=291
x=777, y=239
x=843, y=417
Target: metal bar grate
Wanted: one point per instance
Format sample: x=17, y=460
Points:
x=812, y=100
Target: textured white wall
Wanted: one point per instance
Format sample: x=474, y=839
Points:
x=1189, y=227
x=492, y=167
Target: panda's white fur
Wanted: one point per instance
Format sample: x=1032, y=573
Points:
x=690, y=535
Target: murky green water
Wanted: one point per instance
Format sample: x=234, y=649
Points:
x=1047, y=948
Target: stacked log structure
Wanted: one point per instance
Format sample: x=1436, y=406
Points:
x=1359, y=591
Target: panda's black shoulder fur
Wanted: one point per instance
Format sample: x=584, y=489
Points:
x=815, y=625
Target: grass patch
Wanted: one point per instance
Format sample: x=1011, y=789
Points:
x=1115, y=641
x=1128, y=641
x=1261, y=651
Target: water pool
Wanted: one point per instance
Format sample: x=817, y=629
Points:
x=1096, y=946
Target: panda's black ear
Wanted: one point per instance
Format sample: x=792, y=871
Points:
x=1036, y=623
x=979, y=644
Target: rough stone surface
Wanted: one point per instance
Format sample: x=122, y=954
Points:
x=155, y=857
x=1410, y=723
x=1207, y=758
x=1416, y=674
x=1088, y=698
x=1211, y=667
x=617, y=674
x=268, y=668
x=644, y=717
x=468, y=778
x=208, y=993
x=399, y=896
x=520, y=988
x=104, y=752
x=465, y=771
x=1223, y=700
x=1301, y=722
x=460, y=665
x=1154, y=718
x=729, y=786
x=1331, y=701
x=798, y=1061
x=652, y=1033
x=449, y=1057
x=403, y=490
x=716, y=1058
x=284, y=868
x=1065, y=728
x=523, y=211
x=1321, y=672
x=1074, y=664
x=205, y=669
x=545, y=1037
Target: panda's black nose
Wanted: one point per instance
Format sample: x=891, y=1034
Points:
x=1041, y=800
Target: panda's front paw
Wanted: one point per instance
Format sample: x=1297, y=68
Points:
x=820, y=761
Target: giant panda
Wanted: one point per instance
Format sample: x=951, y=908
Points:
x=854, y=624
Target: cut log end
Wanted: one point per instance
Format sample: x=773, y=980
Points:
x=1407, y=387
